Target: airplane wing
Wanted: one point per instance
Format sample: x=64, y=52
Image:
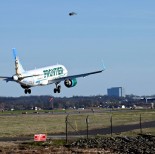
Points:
x=7, y=79
x=76, y=76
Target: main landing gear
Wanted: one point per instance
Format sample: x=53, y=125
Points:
x=57, y=89
x=27, y=91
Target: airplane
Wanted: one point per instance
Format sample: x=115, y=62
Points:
x=43, y=76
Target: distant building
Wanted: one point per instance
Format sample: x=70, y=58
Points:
x=116, y=91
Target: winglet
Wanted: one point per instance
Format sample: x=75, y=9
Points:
x=103, y=66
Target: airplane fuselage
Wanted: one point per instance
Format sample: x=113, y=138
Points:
x=43, y=76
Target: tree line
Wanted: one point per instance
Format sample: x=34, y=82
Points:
x=50, y=102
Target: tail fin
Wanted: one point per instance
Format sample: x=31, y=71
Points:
x=18, y=67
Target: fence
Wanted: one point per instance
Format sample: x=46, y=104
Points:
x=85, y=123
x=113, y=123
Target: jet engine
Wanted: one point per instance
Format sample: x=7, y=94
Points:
x=70, y=83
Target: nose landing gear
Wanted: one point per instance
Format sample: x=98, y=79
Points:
x=57, y=89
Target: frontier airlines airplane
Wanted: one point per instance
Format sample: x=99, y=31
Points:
x=43, y=76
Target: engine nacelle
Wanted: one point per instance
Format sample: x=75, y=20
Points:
x=70, y=83
x=15, y=77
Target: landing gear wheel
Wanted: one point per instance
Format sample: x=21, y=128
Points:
x=57, y=89
x=29, y=91
x=25, y=91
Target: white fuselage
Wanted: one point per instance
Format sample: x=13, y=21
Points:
x=43, y=76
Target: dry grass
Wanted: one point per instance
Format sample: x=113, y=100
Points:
x=23, y=125
x=17, y=125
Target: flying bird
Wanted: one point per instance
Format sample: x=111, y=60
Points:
x=72, y=13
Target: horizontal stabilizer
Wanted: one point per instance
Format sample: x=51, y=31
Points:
x=6, y=78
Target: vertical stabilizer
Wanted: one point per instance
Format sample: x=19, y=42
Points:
x=18, y=67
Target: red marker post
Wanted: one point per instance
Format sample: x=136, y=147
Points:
x=40, y=137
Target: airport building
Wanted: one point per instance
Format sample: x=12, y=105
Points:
x=116, y=91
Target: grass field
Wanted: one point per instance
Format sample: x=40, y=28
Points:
x=16, y=124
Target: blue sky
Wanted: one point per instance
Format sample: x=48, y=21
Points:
x=122, y=33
